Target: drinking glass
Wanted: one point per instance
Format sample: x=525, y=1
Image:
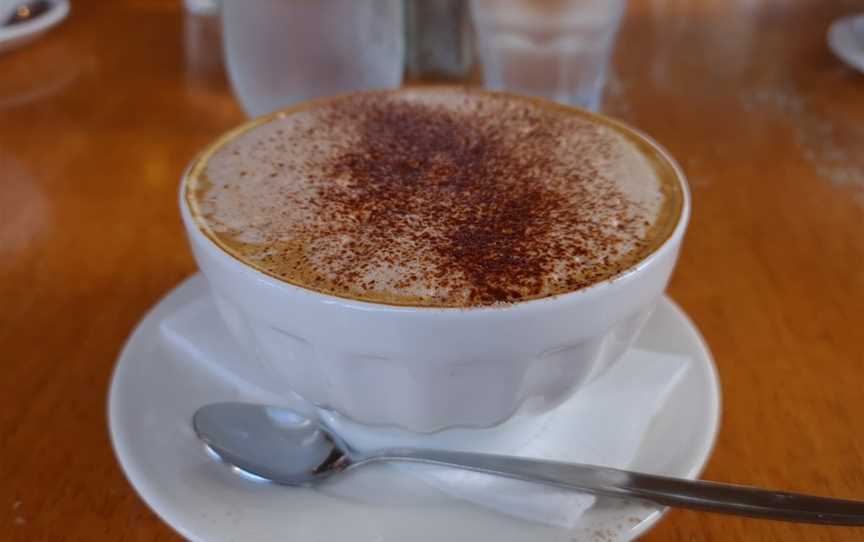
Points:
x=284, y=51
x=556, y=49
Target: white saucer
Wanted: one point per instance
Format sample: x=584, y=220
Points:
x=15, y=36
x=156, y=388
x=846, y=40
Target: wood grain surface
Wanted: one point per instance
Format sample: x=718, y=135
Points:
x=99, y=118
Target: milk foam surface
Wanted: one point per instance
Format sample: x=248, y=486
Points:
x=435, y=197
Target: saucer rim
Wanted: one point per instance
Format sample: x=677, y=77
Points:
x=715, y=407
x=151, y=496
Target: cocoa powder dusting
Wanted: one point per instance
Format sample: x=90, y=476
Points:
x=416, y=164
x=444, y=199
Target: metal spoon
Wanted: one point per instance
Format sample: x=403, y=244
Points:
x=287, y=447
x=27, y=11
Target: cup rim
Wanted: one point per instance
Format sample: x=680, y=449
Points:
x=671, y=240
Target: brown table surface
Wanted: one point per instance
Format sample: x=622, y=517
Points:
x=98, y=119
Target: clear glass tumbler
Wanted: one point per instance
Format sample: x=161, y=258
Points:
x=280, y=52
x=556, y=49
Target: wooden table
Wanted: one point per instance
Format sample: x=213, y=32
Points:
x=98, y=119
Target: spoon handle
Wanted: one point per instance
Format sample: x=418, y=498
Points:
x=694, y=494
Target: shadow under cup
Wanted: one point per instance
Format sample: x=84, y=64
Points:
x=426, y=368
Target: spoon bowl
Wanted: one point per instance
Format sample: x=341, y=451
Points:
x=276, y=444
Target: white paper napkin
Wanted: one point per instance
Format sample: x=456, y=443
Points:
x=603, y=424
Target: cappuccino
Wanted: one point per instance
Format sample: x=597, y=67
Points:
x=435, y=197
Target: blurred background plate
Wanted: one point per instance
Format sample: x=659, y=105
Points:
x=19, y=34
x=846, y=39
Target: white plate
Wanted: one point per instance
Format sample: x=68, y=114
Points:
x=156, y=388
x=846, y=40
x=14, y=36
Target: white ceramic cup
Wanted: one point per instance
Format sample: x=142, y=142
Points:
x=424, y=368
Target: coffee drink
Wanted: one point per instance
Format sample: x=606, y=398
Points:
x=435, y=197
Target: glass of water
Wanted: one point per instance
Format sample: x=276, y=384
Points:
x=556, y=49
x=280, y=52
